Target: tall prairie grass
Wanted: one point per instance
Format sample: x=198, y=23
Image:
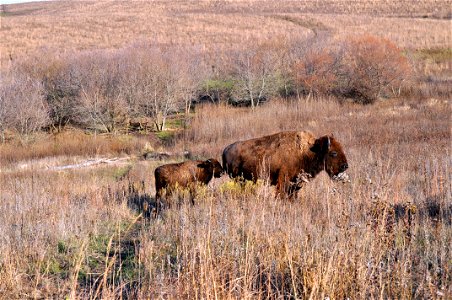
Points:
x=94, y=232
x=396, y=124
x=82, y=233
x=69, y=143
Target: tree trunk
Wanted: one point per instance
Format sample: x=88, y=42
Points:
x=251, y=99
x=309, y=95
x=159, y=121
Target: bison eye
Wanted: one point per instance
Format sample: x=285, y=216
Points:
x=333, y=153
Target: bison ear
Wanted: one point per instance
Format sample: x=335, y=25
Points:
x=321, y=145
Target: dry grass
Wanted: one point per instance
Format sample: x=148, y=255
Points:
x=69, y=143
x=83, y=234
x=384, y=124
x=75, y=25
x=76, y=233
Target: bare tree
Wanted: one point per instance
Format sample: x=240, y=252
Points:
x=316, y=72
x=22, y=105
x=161, y=83
x=63, y=87
x=217, y=83
x=60, y=76
x=255, y=72
x=102, y=103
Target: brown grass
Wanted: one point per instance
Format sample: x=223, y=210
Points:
x=355, y=124
x=76, y=232
x=69, y=143
x=83, y=234
x=75, y=25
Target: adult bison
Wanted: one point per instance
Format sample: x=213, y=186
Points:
x=287, y=158
x=185, y=175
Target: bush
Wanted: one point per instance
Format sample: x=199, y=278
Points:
x=22, y=105
x=372, y=67
x=255, y=69
x=102, y=106
x=62, y=84
x=216, y=90
x=316, y=72
x=362, y=68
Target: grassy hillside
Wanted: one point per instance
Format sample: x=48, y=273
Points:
x=69, y=25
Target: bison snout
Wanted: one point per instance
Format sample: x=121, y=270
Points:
x=344, y=167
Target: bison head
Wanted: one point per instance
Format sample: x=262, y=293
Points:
x=331, y=154
x=212, y=166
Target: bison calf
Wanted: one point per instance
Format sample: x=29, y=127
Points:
x=287, y=158
x=185, y=175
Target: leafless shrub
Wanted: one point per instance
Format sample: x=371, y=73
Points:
x=316, y=71
x=62, y=84
x=363, y=68
x=372, y=67
x=102, y=103
x=255, y=73
x=60, y=77
x=158, y=81
x=22, y=105
x=103, y=89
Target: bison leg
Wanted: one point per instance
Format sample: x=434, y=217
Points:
x=292, y=191
x=192, y=192
x=158, y=200
x=286, y=188
x=281, y=188
x=161, y=198
x=241, y=181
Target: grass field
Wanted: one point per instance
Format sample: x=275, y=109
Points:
x=78, y=232
x=75, y=25
x=77, y=217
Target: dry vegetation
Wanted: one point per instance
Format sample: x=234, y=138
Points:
x=91, y=231
x=68, y=25
x=77, y=232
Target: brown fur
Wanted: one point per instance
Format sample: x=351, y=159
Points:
x=185, y=175
x=286, y=158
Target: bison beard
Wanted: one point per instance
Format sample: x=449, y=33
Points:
x=288, y=159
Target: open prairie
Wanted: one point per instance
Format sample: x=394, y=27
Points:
x=69, y=25
x=78, y=216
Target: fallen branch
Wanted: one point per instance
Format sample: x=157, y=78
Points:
x=89, y=163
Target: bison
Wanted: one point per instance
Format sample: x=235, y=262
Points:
x=287, y=158
x=185, y=175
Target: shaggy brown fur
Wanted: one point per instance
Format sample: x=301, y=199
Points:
x=287, y=158
x=185, y=175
